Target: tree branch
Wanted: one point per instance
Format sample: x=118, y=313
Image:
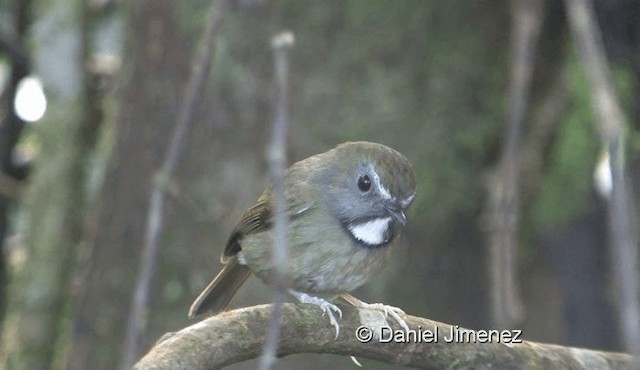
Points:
x=612, y=123
x=238, y=335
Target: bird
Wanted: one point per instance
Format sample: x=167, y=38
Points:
x=345, y=209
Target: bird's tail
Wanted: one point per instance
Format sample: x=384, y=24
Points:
x=216, y=296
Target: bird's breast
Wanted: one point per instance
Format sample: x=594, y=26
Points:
x=322, y=259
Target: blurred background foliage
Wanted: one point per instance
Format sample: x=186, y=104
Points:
x=427, y=78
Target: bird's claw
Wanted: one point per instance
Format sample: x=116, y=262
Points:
x=327, y=308
x=387, y=311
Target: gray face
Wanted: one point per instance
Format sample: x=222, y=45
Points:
x=365, y=207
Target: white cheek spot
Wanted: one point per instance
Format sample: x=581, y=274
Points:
x=371, y=232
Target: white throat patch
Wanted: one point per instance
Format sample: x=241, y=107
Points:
x=371, y=232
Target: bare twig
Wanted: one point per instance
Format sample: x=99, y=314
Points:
x=155, y=215
x=542, y=128
x=506, y=307
x=612, y=124
x=201, y=346
x=276, y=155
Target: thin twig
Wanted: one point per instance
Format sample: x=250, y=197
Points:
x=155, y=215
x=506, y=307
x=276, y=155
x=543, y=126
x=612, y=124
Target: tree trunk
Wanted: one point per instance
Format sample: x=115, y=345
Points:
x=35, y=325
x=156, y=62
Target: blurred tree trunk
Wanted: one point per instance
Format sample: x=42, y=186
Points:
x=156, y=61
x=504, y=191
x=35, y=328
x=612, y=125
x=10, y=133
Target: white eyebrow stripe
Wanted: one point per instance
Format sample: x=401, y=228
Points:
x=384, y=191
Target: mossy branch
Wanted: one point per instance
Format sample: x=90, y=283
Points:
x=239, y=335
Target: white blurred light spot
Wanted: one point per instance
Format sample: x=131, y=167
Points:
x=602, y=177
x=30, y=103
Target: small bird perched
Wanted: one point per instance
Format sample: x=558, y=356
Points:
x=345, y=209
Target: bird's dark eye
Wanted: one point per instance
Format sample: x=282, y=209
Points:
x=364, y=183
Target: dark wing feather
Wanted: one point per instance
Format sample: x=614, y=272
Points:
x=219, y=292
x=258, y=218
x=254, y=220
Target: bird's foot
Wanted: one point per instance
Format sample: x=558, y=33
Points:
x=241, y=258
x=386, y=310
x=326, y=307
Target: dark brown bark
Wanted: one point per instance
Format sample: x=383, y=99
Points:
x=158, y=195
x=156, y=64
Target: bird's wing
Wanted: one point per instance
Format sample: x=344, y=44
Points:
x=259, y=218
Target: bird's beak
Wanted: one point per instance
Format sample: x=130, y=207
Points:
x=398, y=214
